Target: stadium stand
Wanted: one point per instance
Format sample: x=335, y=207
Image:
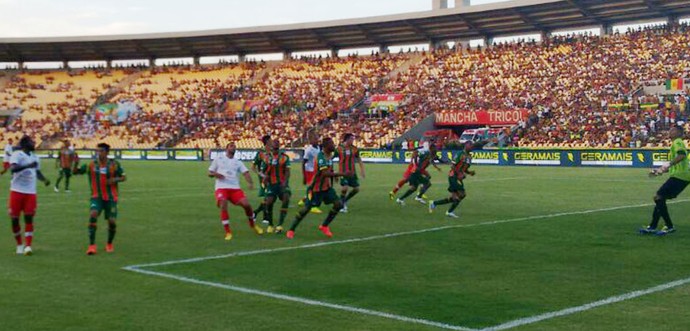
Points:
x=581, y=91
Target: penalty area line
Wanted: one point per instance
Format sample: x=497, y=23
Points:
x=515, y=323
x=305, y=301
x=391, y=235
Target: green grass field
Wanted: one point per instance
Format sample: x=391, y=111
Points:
x=529, y=241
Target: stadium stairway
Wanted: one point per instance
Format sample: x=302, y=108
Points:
x=6, y=78
x=417, y=131
x=414, y=59
x=270, y=65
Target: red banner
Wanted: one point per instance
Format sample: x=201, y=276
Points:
x=484, y=117
x=386, y=97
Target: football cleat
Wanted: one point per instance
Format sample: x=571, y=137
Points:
x=647, y=230
x=258, y=230
x=452, y=215
x=326, y=231
x=665, y=230
x=56, y=189
x=400, y=202
x=109, y=248
x=92, y=250
x=28, y=251
x=425, y=197
x=290, y=234
x=279, y=229
x=300, y=203
x=343, y=210
x=20, y=249
x=316, y=210
x=270, y=229
x=432, y=206
x=228, y=236
x=391, y=195
x=420, y=200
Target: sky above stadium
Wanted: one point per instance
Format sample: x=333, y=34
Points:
x=50, y=18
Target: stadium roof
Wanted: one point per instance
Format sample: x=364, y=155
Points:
x=505, y=18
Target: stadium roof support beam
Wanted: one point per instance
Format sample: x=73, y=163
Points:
x=586, y=12
x=529, y=20
x=470, y=23
x=419, y=31
x=654, y=6
x=374, y=39
x=322, y=40
x=276, y=43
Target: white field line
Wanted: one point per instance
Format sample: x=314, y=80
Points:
x=392, y=235
x=588, y=306
x=515, y=323
x=301, y=300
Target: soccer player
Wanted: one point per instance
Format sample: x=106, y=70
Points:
x=67, y=160
x=420, y=176
x=226, y=170
x=321, y=190
x=679, y=180
x=259, y=167
x=25, y=168
x=8, y=155
x=460, y=167
x=406, y=176
x=277, y=183
x=348, y=154
x=104, y=178
x=310, y=154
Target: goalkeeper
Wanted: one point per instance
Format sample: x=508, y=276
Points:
x=679, y=170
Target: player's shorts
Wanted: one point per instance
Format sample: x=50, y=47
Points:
x=416, y=179
x=21, y=203
x=455, y=186
x=276, y=191
x=5, y=165
x=309, y=176
x=315, y=199
x=672, y=187
x=352, y=181
x=107, y=206
x=230, y=194
x=67, y=172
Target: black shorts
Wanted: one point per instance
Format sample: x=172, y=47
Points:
x=671, y=188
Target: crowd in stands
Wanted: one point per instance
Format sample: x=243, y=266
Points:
x=562, y=81
x=298, y=95
x=580, y=91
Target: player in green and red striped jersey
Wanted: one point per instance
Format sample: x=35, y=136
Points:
x=348, y=154
x=259, y=167
x=321, y=190
x=420, y=175
x=276, y=182
x=104, y=175
x=460, y=167
x=67, y=159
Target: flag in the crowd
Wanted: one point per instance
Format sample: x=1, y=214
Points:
x=674, y=84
